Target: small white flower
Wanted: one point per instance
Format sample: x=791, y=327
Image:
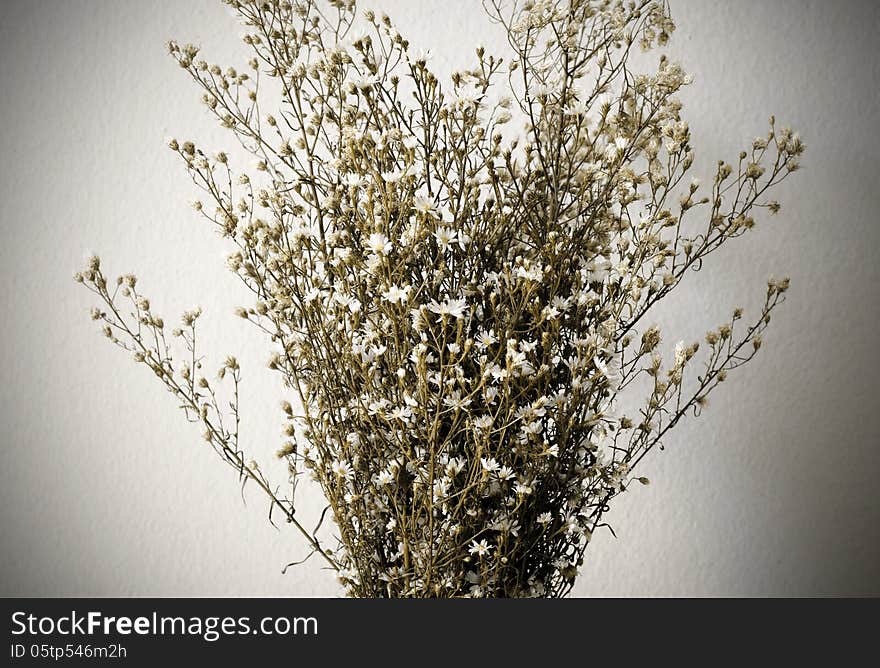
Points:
x=522, y=489
x=480, y=548
x=506, y=473
x=577, y=108
x=378, y=243
x=483, y=422
x=365, y=83
x=487, y=338
x=342, y=469
x=455, y=466
x=597, y=269
x=560, y=304
x=456, y=401
x=445, y=236
x=680, y=357
x=453, y=307
x=489, y=464
x=545, y=518
x=531, y=274
x=611, y=371
x=506, y=525
x=423, y=56
x=395, y=175
x=573, y=526
x=353, y=180
x=534, y=428
x=541, y=90
x=396, y=294
x=424, y=205
x=402, y=413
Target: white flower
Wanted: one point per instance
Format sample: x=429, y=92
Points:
x=573, y=526
x=522, y=488
x=455, y=466
x=560, y=304
x=541, y=90
x=534, y=428
x=545, y=518
x=353, y=180
x=364, y=83
x=518, y=361
x=530, y=274
x=445, y=236
x=395, y=175
x=402, y=413
x=378, y=243
x=347, y=301
x=454, y=307
x=397, y=295
x=342, y=469
x=377, y=407
x=610, y=371
x=487, y=338
x=424, y=205
x=506, y=473
x=440, y=489
x=480, y=548
x=456, y=401
x=423, y=56
x=489, y=464
x=506, y=525
x=483, y=422
x=598, y=269
x=384, y=478
x=577, y=108
x=680, y=357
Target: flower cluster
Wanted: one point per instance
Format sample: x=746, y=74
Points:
x=456, y=283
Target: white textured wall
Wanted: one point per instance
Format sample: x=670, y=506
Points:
x=105, y=489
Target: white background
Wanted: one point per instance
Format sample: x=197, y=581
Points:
x=106, y=490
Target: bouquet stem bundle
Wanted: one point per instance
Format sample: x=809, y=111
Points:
x=455, y=278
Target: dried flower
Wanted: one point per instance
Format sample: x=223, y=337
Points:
x=457, y=308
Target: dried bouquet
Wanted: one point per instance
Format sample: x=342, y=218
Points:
x=455, y=277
